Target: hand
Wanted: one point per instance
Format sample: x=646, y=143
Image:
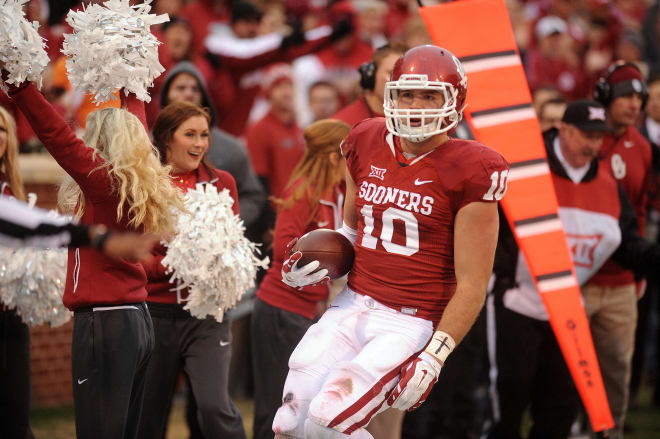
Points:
x=295, y=38
x=131, y=246
x=301, y=277
x=341, y=28
x=415, y=382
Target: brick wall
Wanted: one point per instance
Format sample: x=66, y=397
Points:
x=50, y=355
x=50, y=348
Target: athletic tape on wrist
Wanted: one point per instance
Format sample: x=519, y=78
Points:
x=440, y=346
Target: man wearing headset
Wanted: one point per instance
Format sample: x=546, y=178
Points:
x=611, y=295
x=373, y=76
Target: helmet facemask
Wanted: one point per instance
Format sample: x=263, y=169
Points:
x=433, y=120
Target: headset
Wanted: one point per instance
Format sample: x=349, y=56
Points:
x=603, y=89
x=367, y=75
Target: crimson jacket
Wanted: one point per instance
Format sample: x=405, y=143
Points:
x=293, y=223
x=159, y=286
x=92, y=278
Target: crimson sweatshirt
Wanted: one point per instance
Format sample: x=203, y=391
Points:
x=92, y=278
x=158, y=285
x=293, y=223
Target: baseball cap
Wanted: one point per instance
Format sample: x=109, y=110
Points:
x=585, y=114
x=550, y=25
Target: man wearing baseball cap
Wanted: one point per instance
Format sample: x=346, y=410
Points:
x=600, y=225
x=612, y=293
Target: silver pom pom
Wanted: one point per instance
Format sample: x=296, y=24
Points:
x=21, y=47
x=32, y=283
x=210, y=254
x=112, y=47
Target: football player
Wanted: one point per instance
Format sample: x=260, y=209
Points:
x=421, y=211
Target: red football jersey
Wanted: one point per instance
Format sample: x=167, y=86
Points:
x=404, y=252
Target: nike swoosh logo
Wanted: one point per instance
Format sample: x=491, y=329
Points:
x=628, y=144
x=323, y=223
x=224, y=343
x=82, y=381
x=419, y=182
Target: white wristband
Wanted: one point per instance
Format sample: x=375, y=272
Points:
x=349, y=233
x=440, y=346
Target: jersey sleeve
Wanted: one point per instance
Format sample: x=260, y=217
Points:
x=486, y=179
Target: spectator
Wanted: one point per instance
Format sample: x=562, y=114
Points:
x=202, y=347
x=14, y=334
x=324, y=100
x=530, y=370
x=371, y=18
x=336, y=63
x=611, y=294
x=551, y=113
x=176, y=38
x=239, y=57
x=184, y=83
x=648, y=304
x=275, y=143
x=205, y=14
x=652, y=37
x=554, y=59
x=373, y=76
x=650, y=126
x=312, y=199
x=398, y=13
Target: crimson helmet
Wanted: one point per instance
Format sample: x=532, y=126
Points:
x=428, y=68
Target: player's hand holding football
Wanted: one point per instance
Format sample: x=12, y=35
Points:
x=419, y=375
x=298, y=277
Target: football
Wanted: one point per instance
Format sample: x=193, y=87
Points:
x=332, y=249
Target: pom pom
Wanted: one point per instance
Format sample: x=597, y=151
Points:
x=32, y=283
x=112, y=47
x=210, y=255
x=21, y=47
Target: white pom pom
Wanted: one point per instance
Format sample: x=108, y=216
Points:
x=210, y=254
x=112, y=47
x=32, y=283
x=21, y=46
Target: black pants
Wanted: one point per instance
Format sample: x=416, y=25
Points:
x=275, y=334
x=14, y=376
x=203, y=349
x=109, y=355
x=531, y=371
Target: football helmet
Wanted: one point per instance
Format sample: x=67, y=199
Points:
x=425, y=67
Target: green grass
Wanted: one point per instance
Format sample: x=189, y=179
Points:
x=58, y=423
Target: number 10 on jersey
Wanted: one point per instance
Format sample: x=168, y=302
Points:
x=498, y=186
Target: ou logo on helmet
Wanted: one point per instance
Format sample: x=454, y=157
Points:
x=618, y=167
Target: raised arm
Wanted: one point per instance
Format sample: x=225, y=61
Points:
x=132, y=104
x=76, y=158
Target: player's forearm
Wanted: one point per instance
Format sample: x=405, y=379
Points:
x=462, y=311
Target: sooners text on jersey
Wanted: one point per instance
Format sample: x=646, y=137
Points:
x=404, y=252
